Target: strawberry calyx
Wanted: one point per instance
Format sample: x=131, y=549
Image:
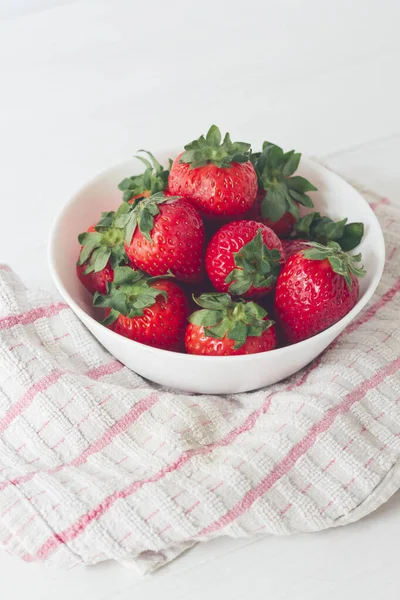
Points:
x=140, y=214
x=341, y=263
x=104, y=244
x=128, y=294
x=257, y=266
x=153, y=179
x=322, y=229
x=275, y=169
x=220, y=317
x=209, y=149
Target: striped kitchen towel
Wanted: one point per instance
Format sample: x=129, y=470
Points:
x=97, y=463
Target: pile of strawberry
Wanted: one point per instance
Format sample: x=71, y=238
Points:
x=220, y=229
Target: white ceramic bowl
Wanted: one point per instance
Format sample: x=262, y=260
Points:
x=204, y=374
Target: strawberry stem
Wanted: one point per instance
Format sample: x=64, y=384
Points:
x=220, y=316
x=343, y=264
x=275, y=170
x=257, y=266
x=322, y=229
x=154, y=179
x=128, y=294
x=104, y=244
x=209, y=149
x=140, y=214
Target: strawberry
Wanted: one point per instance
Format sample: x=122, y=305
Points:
x=280, y=193
x=216, y=177
x=150, y=311
x=154, y=179
x=316, y=288
x=244, y=258
x=164, y=234
x=293, y=245
x=95, y=282
x=102, y=249
x=225, y=327
x=282, y=227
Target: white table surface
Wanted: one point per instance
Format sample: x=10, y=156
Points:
x=83, y=85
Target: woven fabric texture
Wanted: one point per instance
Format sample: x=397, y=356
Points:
x=97, y=463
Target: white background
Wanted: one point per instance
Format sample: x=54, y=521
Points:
x=11, y=8
x=83, y=85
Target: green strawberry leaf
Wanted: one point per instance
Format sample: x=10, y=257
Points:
x=239, y=283
x=219, y=330
x=291, y=164
x=146, y=222
x=343, y=264
x=328, y=229
x=323, y=229
x=303, y=226
x=238, y=332
x=107, y=220
x=102, y=257
x=128, y=195
x=209, y=149
x=206, y=318
x=275, y=170
x=111, y=318
x=127, y=276
x=301, y=198
x=89, y=242
x=300, y=184
x=352, y=236
x=141, y=215
x=275, y=203
x=275, y=159
x=129, y=293
x=118, y=256
x=213, y=301
x=105, y=244
x=154, y=179
x=234, y=319
x=118, y=302
x=257, y=266
x=293, y=208
x=213, y=137
x=130, y=227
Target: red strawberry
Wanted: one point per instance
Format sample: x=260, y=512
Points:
x=102, y=249
x=316, y=288
x=95, y=282
x=153, y=312
x=244, y=258
x=154, y=179
x=164, y=234
x=280, y=194
x=225, y=327
x=283, y=227
x=217, y=178
x=293, y=245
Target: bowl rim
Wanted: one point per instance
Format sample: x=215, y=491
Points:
x=82, y=314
